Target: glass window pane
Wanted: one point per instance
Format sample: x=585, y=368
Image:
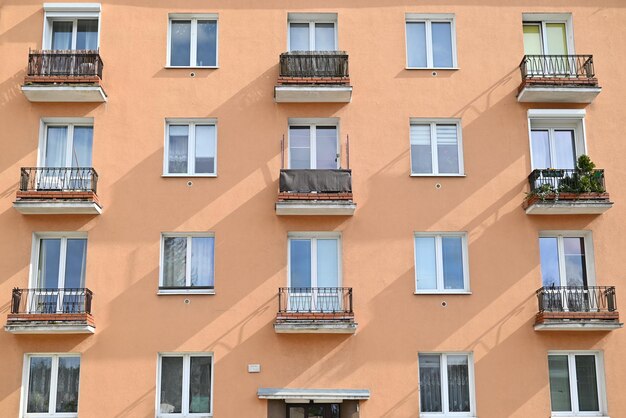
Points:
x=202, y=268
x=416, y=44
x=532, y=39
x=178, y=149
x=56, y=146
x=62, y=35
x=327, y=263
x=548, y=249
x=296, y=412
x=564, y=149
x=174, y=261
x=540, y=144
x=425, y=263
x=300, y=262
x=559, y=383
x=586, y=381
x=87, y=35
x=205, y=149
x=557, y=39
x=442, y=44
x=430, y=382
x=47, y=277
x=82, y=146
x=575, y=265
x=299, y=37
x=421, y=151
x=206, y=55
x=458, y=383
x=324, y=37
x=67, y=384
x=299, y=147
x=200, y=385
x=75, y=263
x=39, y=384
x=326, y=138
x=171, y=385
x=452, y=252
x=447, y=149
x=180, y=46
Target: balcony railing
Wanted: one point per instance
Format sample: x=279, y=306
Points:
x=51, y=301
x=64, y=63
x=577, y=299
x=551, y=66
x=315, y=181
x=314, y=64
x=315, y=299
x=84, y=179
x=566, y=181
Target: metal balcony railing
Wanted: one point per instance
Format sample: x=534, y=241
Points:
x=58, y=178
x=566, y=181
x=314, y=64
x=549, y=66
x=315, y=299
x=577, y=299
x=51, y=301
x=320, y=181
x=64, y=63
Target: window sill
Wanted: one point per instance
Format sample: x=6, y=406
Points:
x=434, y=292
x=188, y=175
x=432, y=68
x=172, y=67
x=438, y=175
x=162, y=292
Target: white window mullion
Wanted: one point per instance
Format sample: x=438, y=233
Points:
x=312, y=36
x=434, y=152
x=61, y=279
x=74, y=33
x=561, y=258
x=54, y=373
x=191, y=149
x=188, y=263
x=314, y=283
x=439, y=262
x=573, y=380
x=185, y=386
x=444, y=384
x=429, y=45
x=551, y=147
x=313, y=145
x=69, y=145
x=193, y=42
x=544, y=39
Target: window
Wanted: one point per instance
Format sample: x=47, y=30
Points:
x=192, y=41
x=430, y=41
x=446, y=383
x=313, y=145
x=547, y=34
x=185, y=385
x=576, y=384
x=191, y=148
x=441, y=262
x=566, y=259
x=188, y=263
x=71, y=27
x=58, y=274
x=313, y=410
x=312, y=31
x=556, y=138
x=51, y=382
x=436, y=148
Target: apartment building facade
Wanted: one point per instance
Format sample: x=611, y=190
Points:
x=367, y=209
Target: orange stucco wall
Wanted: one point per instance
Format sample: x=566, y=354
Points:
x=118, y=363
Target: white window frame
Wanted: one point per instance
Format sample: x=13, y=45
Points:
x=558, y=119
x=189, y=289
x=70, y=123
x=439, y=263
x=314, y=236
x=600, y=378
x=312, y=124
x=36, y=247
x=444, y=385
x=191, y=148
x=185, y=392
x=193, y=17
x=434, y=153
x=53, y=386
x=542, y=19
x=428, y=19
x=589, y=253
x=311, y=19
x=68, y=12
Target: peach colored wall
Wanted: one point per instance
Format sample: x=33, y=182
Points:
x=118, y=363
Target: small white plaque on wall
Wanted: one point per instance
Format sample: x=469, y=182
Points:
x=254, y=368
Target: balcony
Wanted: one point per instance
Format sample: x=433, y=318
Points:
x=58, y=190
x=566, y=192
x=64, y=76
x=577, y=308
x=315, y=192
x=316, y=310
x=558, y=79
x=50, y=311
x=313, y=77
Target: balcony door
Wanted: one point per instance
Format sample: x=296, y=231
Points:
x=553, y=148
x=74, y=34
x=312, y=36
x=60, y=276
x=565, y=272
x=314, y=275
x=547, y=39
x=67, y=154
x=313, y=147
